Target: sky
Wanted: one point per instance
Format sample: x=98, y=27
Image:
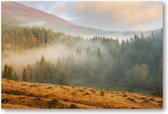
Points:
x=138, y=16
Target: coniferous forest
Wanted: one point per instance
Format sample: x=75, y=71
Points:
x=132, y=65
x=91, y=60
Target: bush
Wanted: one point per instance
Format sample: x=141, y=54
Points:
x=52, y=103
x=72, y=106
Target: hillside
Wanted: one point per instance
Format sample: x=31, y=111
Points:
x=36, y=95
x=27, y=16
x=13, y=12
x=24, y=13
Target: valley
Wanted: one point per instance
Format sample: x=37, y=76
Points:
x=64, y=55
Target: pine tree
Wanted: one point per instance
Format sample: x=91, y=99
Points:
x=9, y=72
x=5, y=72
x=24, y=75
x=42, y=61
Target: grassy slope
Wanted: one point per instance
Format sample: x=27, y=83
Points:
x=36, y=95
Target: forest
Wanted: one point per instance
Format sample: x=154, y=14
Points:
x=18, y=38
x=134, y=65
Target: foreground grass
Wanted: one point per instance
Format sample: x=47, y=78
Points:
x=21, y=95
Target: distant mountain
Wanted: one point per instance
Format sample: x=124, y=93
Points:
x=28, y=16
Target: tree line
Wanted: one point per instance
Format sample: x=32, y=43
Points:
x=18, y=38
x=135, y=64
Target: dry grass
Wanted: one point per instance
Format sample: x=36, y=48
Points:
x=34, y=95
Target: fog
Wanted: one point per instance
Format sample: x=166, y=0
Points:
x=100, y=63
x=89, y=33
x=20, y=59
x=55, y=51
x=30, y=56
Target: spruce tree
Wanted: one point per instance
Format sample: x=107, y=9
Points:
x=24, y=75
x=5, y=72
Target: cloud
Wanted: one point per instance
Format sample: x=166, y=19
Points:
x=41, y=5
x=108, y=15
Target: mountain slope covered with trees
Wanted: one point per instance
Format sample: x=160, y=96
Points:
x=130, y=65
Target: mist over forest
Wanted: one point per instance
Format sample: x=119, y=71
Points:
x=51, y=57
x=82, y=55
x=46, y=49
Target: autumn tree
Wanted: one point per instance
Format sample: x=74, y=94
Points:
x=138, y=76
